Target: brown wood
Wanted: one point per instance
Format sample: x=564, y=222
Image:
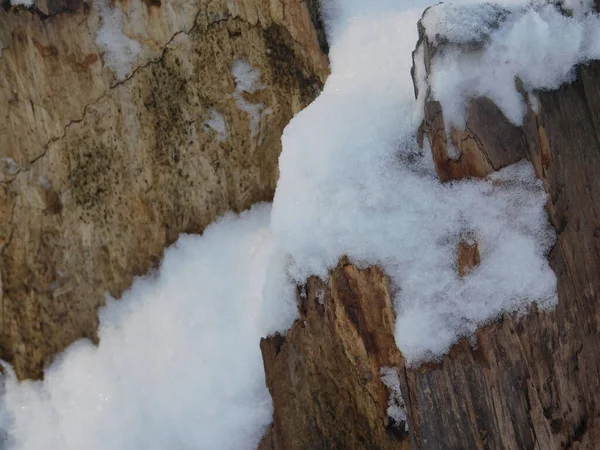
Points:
x=530, y=382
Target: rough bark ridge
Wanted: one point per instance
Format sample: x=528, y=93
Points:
x=324, y=375
x=99, y=172
x=528, y=383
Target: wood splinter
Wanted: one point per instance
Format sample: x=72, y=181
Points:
x=468, y=256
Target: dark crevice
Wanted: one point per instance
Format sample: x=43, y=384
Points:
x=284, y=62
x=12, y=231
x=578, y=432
x=316, y=14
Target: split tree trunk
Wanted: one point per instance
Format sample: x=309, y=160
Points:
x=528, y=383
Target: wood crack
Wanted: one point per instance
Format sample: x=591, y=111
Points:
x=71, y=122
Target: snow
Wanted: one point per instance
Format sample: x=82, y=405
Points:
x=120, y=51
x=216, y=122
x=247, y=79
x=354, y=182
x=540, y=46
x=321, y=296
x=464, y=24
x=396, y=407
x=25, y=3
x=179, y=363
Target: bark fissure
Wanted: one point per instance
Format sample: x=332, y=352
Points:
x=117, y=84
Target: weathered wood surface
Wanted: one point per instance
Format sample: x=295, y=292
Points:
x=99, y=173
x=324, y=375
x=529, y=382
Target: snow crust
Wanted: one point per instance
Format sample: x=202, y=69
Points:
x=120, y=51
x=178, y=365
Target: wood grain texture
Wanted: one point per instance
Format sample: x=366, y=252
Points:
x=525, y=382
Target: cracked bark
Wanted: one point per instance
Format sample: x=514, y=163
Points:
x=118, y=197
x=547, y=361
x=98, y=99
x=324, y=374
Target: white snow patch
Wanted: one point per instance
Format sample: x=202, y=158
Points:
x=321, y=296
x=25, y=3
x=540, y=46
x=120, y=51
x=178, y=365
x=247, y=79
x=338, y=13
x=534, y=102
x=354, y=182
x=396, y=407
x=462, y=24
x=217, y=123
x=453, y=151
